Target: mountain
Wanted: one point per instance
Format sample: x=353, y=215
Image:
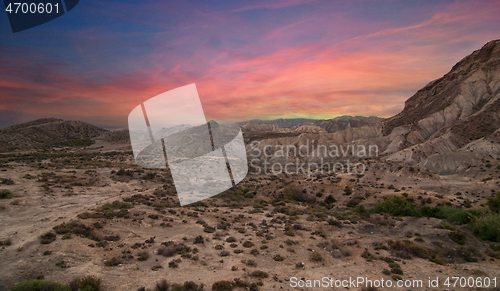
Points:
x=48, y=132
x=449, y=125
x=285, y=123
x=345, y=122
x=308, y=125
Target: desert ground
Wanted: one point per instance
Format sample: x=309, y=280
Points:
x=92, y=211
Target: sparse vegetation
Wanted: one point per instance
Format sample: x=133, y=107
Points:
x=113, y=262
x=47, y=237
x=396, y=205
x=40, y=285
x=89, y=283
x=5, y=194
x=316, y=257
x=494, y=203
x=294, y=193
x=143, y=256
x=259, y=274
x=457, y=236
x=222, y=286
x=487, y=227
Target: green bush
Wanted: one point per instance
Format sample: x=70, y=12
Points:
x=330, y=199
x=494, y=203
x=40, y=285
x=487, y=227
x=457, y=236
x=450, y=213
x=397, y=206
x=5, y=194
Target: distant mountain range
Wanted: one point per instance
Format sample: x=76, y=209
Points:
x=285, y=123
x=329, y=125
x=447, y=126
x=52, y=132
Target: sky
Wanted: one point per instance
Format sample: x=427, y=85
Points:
x=249, y=59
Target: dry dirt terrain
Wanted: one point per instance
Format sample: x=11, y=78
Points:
x=77, y=212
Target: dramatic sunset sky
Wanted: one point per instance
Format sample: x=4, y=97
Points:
x=249, y=59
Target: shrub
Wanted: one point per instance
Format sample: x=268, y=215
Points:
x=451, y=214
x=231, y=239
x=487, y=227
x=172, y=249
x=47, y=237
x=457, y=236
x=361, y=210
x=353, y=202
x=250, y=263
x=316, y=257
x=259, y=274
x=494, y=203
x=40, y=285
x=143, y=256
x=5, y=194
x=112, y=262
x=278, y=258
x=187, y=286
x=163, y=285
x=406, y=248
x=6, y=181
x=90, y=283
x=222, y=286
x=330, y=199
x=334, y=222
x=73, y=227
x=294, y=192
x=248, y=244
x=209, y=229
x=199, y=240
x=397, y=206
x=6, y=242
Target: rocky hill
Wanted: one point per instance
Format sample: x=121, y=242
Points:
x=447, y=126
x=47, y=132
